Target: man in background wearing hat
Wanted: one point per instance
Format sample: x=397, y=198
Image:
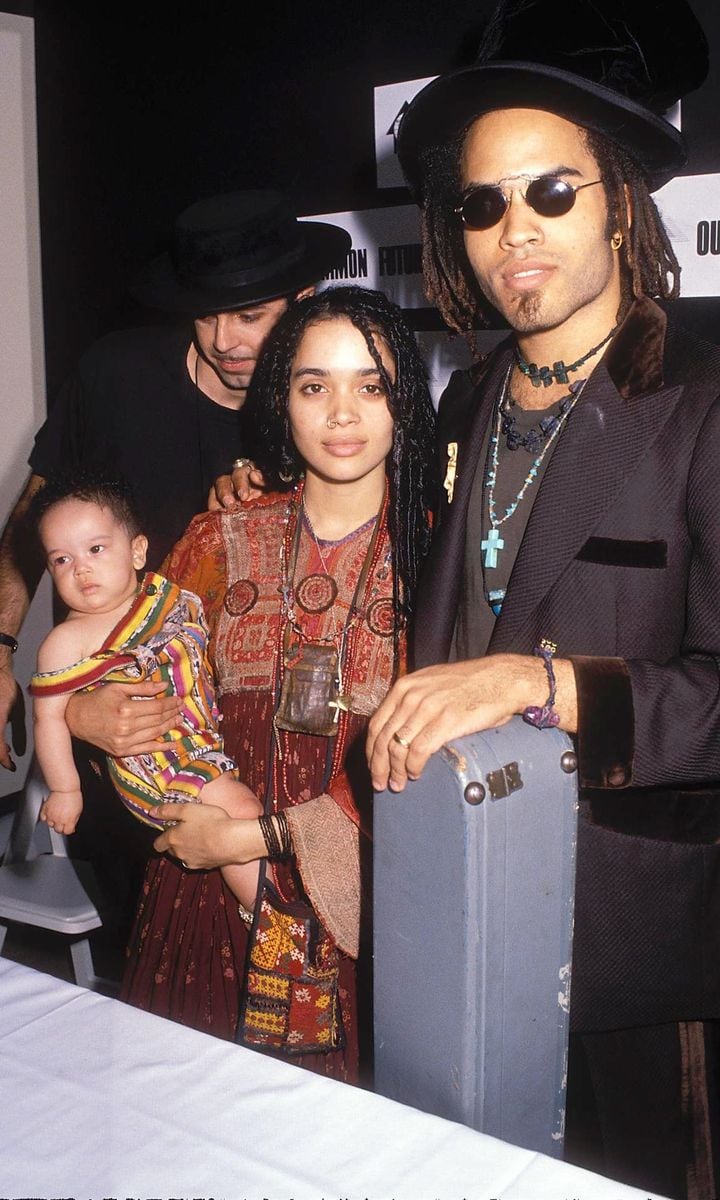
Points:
x=160, y=405
x=575, y=569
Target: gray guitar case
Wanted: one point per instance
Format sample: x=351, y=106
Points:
x=474, y=875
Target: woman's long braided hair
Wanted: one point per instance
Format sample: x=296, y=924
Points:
x=649, y=264
x=411, y=464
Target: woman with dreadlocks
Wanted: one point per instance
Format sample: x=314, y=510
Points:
x=307, y=591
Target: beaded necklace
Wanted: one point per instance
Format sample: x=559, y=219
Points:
x=558, y=372
x=347, y=647
x=532, y=440
x=493, y=543
x=289, y=549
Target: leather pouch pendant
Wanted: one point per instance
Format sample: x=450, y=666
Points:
x=310, y=700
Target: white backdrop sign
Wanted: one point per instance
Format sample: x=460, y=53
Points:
x=385, y=254
x=390, y=104
x=690, y=208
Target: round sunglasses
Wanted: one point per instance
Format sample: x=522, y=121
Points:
x=547, y=195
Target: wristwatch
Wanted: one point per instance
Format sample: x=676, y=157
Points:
x=7, y=639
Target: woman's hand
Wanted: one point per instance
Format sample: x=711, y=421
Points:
x=113, y=719
x=204, y=836
x=245, y=483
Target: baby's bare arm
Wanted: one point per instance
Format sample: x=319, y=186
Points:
x=53, y=744
x=54, y=751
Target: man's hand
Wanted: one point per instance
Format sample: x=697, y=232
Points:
x=245, y=483
x=428, y=708
x=12, y=711
x=110, y=717
x=205, y=836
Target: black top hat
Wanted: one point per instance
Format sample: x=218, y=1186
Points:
x=237, y=249
x=613, y=66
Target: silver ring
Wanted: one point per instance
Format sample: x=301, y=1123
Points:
x=400, y=740
x=239, y=463
x=170, y=824
x=182, y=860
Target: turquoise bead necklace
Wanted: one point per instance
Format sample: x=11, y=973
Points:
x=493, y=543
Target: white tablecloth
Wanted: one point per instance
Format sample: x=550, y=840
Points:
x=102, y=1102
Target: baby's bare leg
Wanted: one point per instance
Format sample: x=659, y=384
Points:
x=241, y=803
x=236, y=798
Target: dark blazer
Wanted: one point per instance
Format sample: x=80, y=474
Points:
x=620, y=566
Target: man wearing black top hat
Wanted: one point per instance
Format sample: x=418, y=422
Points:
x=575, y=569
x=160, y=405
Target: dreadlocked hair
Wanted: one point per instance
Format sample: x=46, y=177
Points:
x=649, y=265
x=449, y=281
x=410, y=466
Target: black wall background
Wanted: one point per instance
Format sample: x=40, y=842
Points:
x=144, y=108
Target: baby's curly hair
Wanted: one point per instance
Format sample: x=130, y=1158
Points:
x=94, y=487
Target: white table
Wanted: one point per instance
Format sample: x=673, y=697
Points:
x=103, y=1102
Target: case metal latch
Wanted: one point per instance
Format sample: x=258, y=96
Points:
x=505, y=780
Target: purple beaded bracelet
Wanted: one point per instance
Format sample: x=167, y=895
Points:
x=545, y=717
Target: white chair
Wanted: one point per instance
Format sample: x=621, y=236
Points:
x=41, y=886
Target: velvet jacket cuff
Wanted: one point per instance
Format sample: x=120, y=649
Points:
x=606, y=723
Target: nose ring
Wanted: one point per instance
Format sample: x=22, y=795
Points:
x=330, y=423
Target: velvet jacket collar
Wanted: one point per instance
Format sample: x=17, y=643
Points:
x=634, y=358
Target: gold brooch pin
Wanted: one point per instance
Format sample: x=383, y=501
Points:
x=451, y=471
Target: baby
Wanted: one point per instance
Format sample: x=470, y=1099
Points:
x=121, y=630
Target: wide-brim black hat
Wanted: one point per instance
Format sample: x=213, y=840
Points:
x=238, y=249
x=612, y=66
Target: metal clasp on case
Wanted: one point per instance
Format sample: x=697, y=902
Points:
x=505, y=780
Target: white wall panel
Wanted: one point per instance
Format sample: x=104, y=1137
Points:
x=22, y=357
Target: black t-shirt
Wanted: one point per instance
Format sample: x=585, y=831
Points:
x=132, y=408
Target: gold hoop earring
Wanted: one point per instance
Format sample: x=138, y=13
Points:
x=616, y=240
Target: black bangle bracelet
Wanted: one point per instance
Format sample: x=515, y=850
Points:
x=272, y=844
x=280, y=847
x=285, y=835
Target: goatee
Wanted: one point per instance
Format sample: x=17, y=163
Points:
x=526, y=318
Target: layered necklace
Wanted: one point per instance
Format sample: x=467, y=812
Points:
x=532, y=440
x=312, y=669
x=493, y=544
x=312, y=695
